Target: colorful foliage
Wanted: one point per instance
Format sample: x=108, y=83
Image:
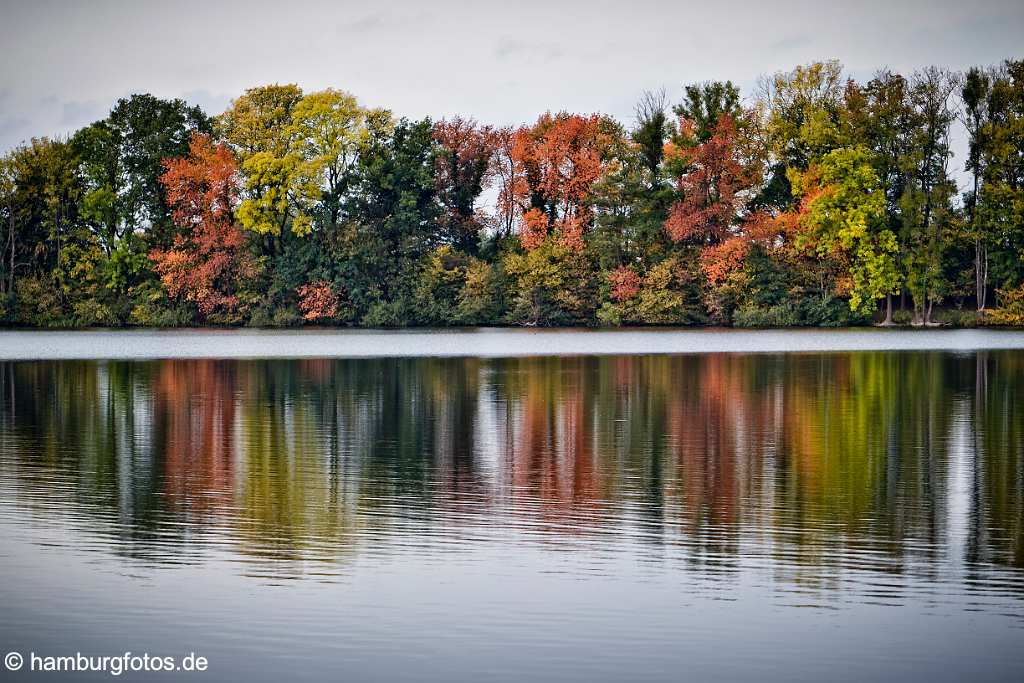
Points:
x=208, y=262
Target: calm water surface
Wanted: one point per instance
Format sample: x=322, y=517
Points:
x=815, y=516
x=480, y=342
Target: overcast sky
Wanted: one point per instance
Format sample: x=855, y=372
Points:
x=64, y=62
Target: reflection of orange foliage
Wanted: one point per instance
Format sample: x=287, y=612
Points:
x=551, y=446
x=705, y=424
x=319, y=370
x=193, y=424
x=702, y=427
x=575, y=429
x=797, y=453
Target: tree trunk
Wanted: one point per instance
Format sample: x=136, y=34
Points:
x=977, y=274
x=10, y=273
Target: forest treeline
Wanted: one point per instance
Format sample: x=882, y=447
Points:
x=816, y=200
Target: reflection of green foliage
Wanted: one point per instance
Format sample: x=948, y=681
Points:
x=303, y=459
x=998, y=432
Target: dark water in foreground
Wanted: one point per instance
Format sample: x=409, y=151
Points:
x=771, y=517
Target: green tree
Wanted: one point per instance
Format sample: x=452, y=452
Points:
x=1001, y=202
x=45, y=232
x=281, y=184
x=844, y=218
x=705, y=103
x=879, y=116
x=8, y=228
x=975, y=95
x=393, y=219
x=630, y=200
x=550, y=285
x=330, y=128
x=122, y=160
x=926, y=205
x=804, y=111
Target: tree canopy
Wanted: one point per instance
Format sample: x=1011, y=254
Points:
x=818, y=199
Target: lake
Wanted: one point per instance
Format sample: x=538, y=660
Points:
x=518, y=505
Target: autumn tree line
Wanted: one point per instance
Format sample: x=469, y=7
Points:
x=816, y=200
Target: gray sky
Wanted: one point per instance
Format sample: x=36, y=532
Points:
x=64, y=63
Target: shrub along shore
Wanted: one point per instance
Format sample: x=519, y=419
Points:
x=816, y=200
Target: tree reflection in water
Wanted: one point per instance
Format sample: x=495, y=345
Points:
x=810, y=463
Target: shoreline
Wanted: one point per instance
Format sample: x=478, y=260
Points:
x=482, y=342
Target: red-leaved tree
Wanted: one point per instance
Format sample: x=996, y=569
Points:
x=712, y=182
x=208, y=261
x=556, y=163
x=715, y=182
x=462, y=171
x=625, y=283
x=318, y=300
